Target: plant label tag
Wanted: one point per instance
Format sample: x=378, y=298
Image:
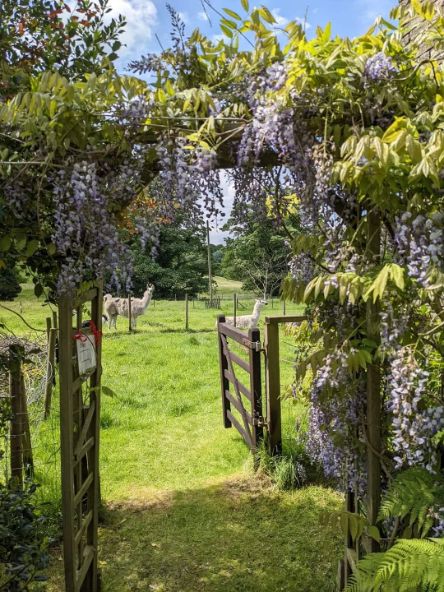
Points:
x=86, y=355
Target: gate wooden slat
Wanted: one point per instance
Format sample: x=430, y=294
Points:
x=237, y=390
x=236, y=334
x=85, y=523
x=67, y=437
x=84, y=450
x=234, y=381
x=238, y=406
x=246, y=436
x=240, y=362
x=88, y=558
x=83, y=489
x=86, y=424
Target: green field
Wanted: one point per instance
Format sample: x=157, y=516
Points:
x=184, y=510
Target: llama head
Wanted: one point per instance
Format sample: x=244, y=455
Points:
x=107, y=297
x=259, y=304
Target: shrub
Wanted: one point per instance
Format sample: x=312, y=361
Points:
x=287, y=471
x=22, y=541
x=9, y=284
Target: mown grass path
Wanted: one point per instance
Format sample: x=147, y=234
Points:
x=183, y=509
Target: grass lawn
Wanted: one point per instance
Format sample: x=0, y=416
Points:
x=184, y=511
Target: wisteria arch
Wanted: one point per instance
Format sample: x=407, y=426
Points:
x=354, y=129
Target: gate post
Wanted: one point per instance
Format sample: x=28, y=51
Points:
x=67, y=439
x=256, y=388
x=273, y=383
x=79, y=432
x=373, y=389
x=223, y=365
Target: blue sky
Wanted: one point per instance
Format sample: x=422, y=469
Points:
x=149, y=18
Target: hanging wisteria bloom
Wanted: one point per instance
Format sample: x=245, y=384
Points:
x=190, y=176
x=379, y=68
x=413, y=423
x=420, y=243
x=84, y=232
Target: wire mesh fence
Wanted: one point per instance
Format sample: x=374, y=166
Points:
x=29, y=442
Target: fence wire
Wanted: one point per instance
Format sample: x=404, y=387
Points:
x=44, y=433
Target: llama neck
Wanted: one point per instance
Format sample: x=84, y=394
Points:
x=146, y=298
x=256, y=311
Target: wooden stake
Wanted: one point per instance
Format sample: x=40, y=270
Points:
x=130, y=315
x=48, y=327
x=28, y=460
x=210, y=273
x=50, y=371
x=234, y=308
x=16, y=432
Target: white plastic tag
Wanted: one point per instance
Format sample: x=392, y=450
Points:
x=86, y=354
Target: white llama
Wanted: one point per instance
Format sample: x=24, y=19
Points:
x=119, y=306
x=248, y=321
x=110, y=311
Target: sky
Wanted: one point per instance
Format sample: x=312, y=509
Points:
x=148, y=27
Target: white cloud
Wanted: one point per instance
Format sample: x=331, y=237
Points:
x=371, y=9
x=282, y=21
x=184, y=17
x=141, y=17
x=302, y=21
x=202, y=16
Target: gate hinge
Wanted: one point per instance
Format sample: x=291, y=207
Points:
x=260, y=422
x=253, y=345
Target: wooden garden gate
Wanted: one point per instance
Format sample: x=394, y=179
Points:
x=236, y=396
x=253, y=423
x=79, y=428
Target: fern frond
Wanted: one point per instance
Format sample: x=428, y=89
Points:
x=412, y=496
x=411, y=565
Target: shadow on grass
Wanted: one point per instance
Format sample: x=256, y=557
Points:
x=238, y=536
x=186, y=331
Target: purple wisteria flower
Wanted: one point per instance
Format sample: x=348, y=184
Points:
x=413, y=426
x=420, y=243
x=379, y=67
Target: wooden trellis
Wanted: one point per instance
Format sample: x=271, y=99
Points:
x=79, y=428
